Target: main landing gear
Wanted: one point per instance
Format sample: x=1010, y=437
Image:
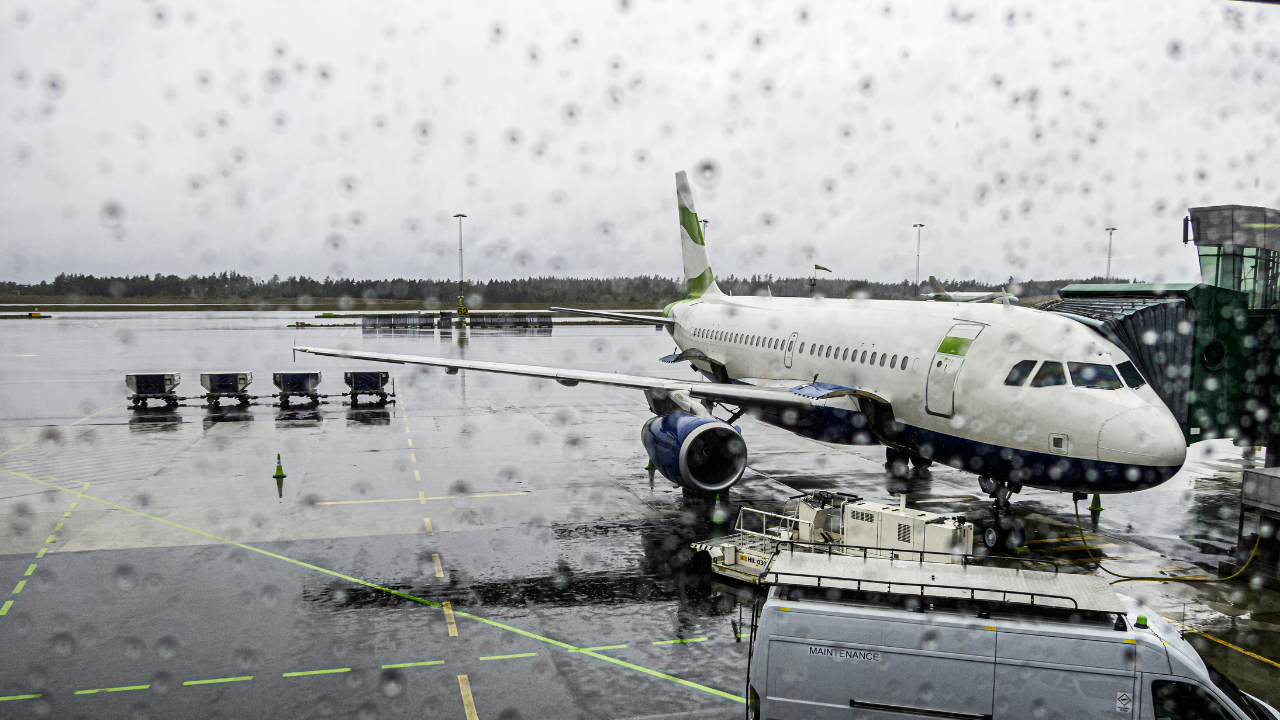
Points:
x=905, y=465
x=1002, y=533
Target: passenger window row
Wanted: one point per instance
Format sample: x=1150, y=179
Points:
x=824, y=351
x=858, y=356
x=1089, y=375
x=741, y=338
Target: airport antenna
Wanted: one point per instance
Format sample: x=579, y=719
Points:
x=1111, y=234
x=459, y=216
x=917, y=226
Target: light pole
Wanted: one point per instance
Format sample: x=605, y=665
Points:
x=1111, y=233
x=917, y=226
x=459, y=216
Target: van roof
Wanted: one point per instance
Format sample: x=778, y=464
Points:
x=977, y=582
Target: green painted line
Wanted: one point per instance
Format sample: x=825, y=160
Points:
x=406, y=596
x=57, y=527
x=114, y=689
x=412, y=664
x=41, y=553
x=330, y=671
x=675, y=642
x=509, y=657
x=742, y=635
x=30, y=569
x=21, y=584
x=602, y=647
x=21, y=697
x=50, y=539
x=212, y=681
x=4, y=610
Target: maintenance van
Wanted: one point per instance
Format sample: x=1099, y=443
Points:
x=840, y=636
x=834, y=522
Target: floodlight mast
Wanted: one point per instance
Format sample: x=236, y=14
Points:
x=917, y=226
x=1111, y=233
x=459, y=216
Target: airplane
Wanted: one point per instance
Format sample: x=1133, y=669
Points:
x=1017, y=396
x=998, y=296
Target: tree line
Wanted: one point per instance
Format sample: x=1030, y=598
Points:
x=643, y=289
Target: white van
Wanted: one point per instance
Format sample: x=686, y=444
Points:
x=847, y=637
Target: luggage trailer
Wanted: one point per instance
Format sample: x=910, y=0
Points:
x=231, y=385
x=834, y=522
x=370, y=383
x=899, y=639
x=153, y=386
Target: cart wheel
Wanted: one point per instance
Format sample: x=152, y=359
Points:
x=382, y=398
x=137, y=402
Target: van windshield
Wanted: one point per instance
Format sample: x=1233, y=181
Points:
x=1242, y=701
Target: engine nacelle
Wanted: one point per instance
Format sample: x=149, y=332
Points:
x=703, y=453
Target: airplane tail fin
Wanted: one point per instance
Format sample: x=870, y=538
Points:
x=698, y=278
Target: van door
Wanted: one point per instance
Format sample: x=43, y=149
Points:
x=791, y=346
x=908, y=669
x=1044, y=675
x=940, y=390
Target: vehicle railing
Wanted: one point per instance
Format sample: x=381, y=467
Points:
x=888, y=585
x=785, y=522
x=965, y=559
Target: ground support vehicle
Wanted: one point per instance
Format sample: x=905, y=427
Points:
x=832, y=522
x=841, y=637
x=297, y=384
x=153, y=386
x=231, y=385
x=370, y=382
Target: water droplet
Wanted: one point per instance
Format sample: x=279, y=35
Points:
x=280, y=122
x=356, y=220
x=571, y=114
x=768, y=221
x=167, y=647
x=273, y=80
x=422, y=131
x=335, y=245
x=348, y=186
x=63, y=644
x=324, y=74
x=392, y=683
x=126, y=577
x=54, y=86
x=707, y=173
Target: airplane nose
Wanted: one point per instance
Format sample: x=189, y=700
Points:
x=1145, y=435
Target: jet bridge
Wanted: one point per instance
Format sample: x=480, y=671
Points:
x=1209, y=349
x=1188, y=340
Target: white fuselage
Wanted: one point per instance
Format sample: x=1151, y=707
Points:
x=1075, y=438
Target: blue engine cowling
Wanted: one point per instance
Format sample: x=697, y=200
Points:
x=706, y=454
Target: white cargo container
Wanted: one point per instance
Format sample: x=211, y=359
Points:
x=829, y=522
x=851, y=637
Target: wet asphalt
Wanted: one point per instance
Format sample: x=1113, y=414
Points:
x=157, y=573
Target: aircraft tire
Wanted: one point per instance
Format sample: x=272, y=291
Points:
x=991, y=538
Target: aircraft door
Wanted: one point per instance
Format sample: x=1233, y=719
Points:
x=945, y=368
x=791, y=346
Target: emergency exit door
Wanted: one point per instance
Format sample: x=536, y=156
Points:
x=940, y=393
x=791, y=345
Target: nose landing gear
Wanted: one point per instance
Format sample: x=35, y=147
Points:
x=1002, y=532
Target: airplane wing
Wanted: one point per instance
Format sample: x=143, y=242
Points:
x=801, y=396
x=651, y=319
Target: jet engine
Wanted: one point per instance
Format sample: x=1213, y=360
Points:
x=702, y=453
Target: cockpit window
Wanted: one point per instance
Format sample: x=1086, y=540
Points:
x=1050, y=374
x=1131, y=376
x=1094, y=376
x=1020, y=373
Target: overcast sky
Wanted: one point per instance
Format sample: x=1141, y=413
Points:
x=339, y=138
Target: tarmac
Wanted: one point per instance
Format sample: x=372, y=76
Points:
x=484, y=547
